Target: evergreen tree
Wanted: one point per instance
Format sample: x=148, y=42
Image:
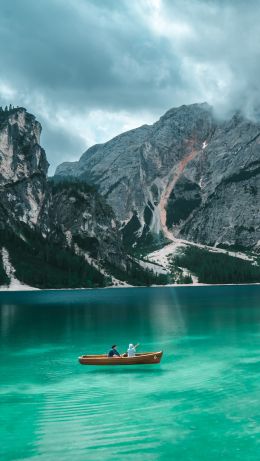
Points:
x=42, y=264
x=217, y=267
x=4, y=279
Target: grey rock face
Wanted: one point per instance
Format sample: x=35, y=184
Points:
x=188, y=175
x=133, y=168
x=23, y=166
x=75, y=215
x=184, y=198
x=230, y=187
x=72, y=216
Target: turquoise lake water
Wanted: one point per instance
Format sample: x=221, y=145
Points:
x=201, y=403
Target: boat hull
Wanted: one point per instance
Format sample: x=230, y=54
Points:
x=146, y=358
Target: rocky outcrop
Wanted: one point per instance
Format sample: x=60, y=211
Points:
x=188, y=175
x=228, y=173
x=72, y=215
x=132, y=169
x=75, y=215
x=23, y=167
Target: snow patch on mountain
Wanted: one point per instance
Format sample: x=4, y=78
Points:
x=15, y=284
x=165, y=254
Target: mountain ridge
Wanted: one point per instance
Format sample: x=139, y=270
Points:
x=55, y=234
x=176, y=177
x=187, y=178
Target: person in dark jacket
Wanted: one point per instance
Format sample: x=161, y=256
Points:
x=113, y=352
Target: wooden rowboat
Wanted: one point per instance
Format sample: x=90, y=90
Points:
x=138, y=359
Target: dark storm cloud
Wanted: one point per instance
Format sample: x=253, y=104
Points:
x=225, y=49
x=83, y=65
x=84, y=53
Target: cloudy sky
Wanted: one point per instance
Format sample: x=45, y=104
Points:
x=90, y=69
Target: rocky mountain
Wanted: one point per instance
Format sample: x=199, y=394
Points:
x=188, y=175
x=75, y=215
x=51, y=225
x=23, y=168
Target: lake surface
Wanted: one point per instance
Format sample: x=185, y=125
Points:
x=201, y=402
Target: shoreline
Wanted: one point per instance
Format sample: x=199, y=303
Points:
x=187, y=285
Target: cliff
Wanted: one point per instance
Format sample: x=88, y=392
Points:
x=50, y=224
x=23, y=168
x=189, y=175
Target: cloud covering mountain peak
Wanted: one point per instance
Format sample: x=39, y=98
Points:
x=89, y=70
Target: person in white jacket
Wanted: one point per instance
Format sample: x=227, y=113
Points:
x=131, y=350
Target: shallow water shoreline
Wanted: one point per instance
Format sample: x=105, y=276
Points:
x=177, y=285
